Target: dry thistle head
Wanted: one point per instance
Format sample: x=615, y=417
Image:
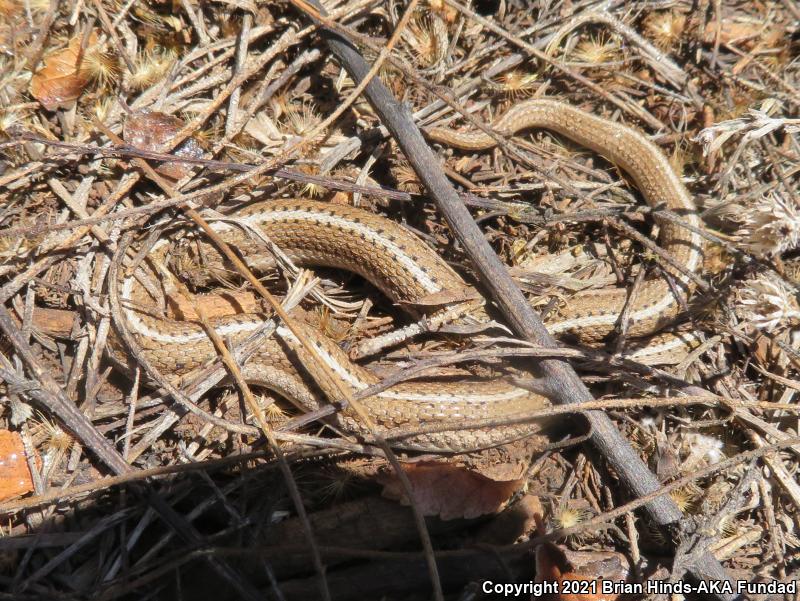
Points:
x=103, y=107
x=302, y=117
x=765, y=302
x=10, y=120
x=597, y=51
x=406, y=177
x=146, y=15
x=516, y=83
x=12, y=247
x=665, y=29
x=427, y=40
x=273, y=412
x=102, y=66
x=726, y=528
x=333, y=328
x=569, y=515
x=311, y=189
x=685, y=498
x=770, y=226
x=703, y=448
x=149, y=67
x=12, y=80
x=54, y=440
x=336, y=483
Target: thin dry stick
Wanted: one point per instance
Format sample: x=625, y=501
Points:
x=112, y=33
x=36, y=49
x=241, y=56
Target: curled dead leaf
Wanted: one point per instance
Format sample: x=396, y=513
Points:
x=449, y=491
x=15, y=475
x=64, y=75
x=152, y=130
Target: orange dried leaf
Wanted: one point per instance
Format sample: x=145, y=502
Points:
x=64, y=75
x=151, y=131
x=15, y=475
x=450, y=491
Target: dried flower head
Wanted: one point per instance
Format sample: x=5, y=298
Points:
x=771, y=226
x=302, y=117
x=147, y=15
x=665, y=29
x=703, y=447
x=765, y=302
x=9, y=121
x=102, y=66
x=597, y=51
x=569, y=516
x=103, y=108
x=273, y=412
x=336, y=484
x=149, y=67
x=685, y=498
x=727, y=527
x=12, y=79
x=55, y=440
x=14, y=247
x=311, y=189
x=407, y=179
x=516, y=83
x=427, y=39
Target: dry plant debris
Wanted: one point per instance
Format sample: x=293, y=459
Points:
x=126, y=487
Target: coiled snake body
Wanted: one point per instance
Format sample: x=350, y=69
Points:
x=407, y=271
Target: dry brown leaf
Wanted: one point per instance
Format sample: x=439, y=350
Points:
x=449, y=491
x=767, y=353
x=63, y=77
x=15, y=475
x=151, y=131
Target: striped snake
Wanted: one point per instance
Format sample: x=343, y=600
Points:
x=407, y=271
